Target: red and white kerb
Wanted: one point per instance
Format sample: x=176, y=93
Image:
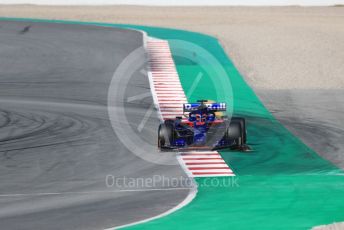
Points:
x=168, y=93
x=169, y=98
x=204, y=164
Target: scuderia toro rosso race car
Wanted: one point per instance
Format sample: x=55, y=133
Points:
x=203, y=127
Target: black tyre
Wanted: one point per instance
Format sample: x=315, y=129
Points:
x=234, y=133
x=165, y=135
x=161, y=138
x=242, y=123
x=237, y=131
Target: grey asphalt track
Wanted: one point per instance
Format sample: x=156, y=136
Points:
x=315, y=116
x=56, y=142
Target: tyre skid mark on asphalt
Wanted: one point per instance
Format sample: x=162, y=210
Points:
x=169, y=98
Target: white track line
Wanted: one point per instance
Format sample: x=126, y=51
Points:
x=186, y=201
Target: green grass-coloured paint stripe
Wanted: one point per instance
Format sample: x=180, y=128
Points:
x=282, y=184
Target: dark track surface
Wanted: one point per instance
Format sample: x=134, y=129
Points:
x=315, y=116
x=56, y=141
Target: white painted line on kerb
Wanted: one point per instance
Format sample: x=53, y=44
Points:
x=208, y=165
x=215, y=175
x=204, y=156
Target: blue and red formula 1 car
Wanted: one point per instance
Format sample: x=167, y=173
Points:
x=203, y=128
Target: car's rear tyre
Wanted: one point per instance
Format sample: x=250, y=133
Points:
x=161, y=138
x=237, y=131
x=165, y=134
x=234, y=133
x=242, y=123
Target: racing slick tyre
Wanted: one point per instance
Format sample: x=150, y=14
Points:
x=237, y=132
x=165, y=135
x=242, y=127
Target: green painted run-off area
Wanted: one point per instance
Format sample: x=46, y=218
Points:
x=282, y=184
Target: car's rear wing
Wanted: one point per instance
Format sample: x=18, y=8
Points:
x=189, y=107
